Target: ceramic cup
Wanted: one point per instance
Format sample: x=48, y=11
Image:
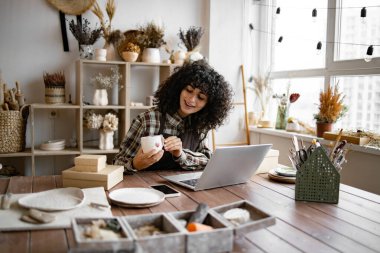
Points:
x=154, y=142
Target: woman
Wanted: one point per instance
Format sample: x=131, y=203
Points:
x=191, y=102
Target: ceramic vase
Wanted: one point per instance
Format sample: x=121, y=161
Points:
x=179, y=57
x=151, y=55
x=100, y=97
x=111, y=52
x=130, y=56
x=106, y=139
x=282, y=116
x=86, y=51
x=323, y=127
x=100, y=54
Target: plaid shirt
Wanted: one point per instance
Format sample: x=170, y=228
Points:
x=148, y=123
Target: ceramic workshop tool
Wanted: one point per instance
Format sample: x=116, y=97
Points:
x=200, y=214
x=19, y=96
x=13, y=104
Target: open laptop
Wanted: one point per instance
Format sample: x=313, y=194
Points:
x=227, y=166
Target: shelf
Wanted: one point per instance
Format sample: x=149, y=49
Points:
x=55, y=106
x=67, y=151
x=25, y=153
x=105, y=107
x=89, y=150
x=143, y=107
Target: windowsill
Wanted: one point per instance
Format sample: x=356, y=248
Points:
x=309, y=138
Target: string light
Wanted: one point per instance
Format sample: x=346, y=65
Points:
x=369, y=54
x=314, y=15
x=319, y=47
x=363, y=15
x=278, y=10
x=251, y=26
x=280, y=39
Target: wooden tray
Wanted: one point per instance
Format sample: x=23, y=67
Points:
x=350, y=139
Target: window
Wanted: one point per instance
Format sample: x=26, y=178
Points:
x=340, y=61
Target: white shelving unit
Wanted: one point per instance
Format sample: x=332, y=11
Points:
x=130, y=89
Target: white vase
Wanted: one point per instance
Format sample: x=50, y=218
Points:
x=86, y=51
x=179, y=57
x=100, y=54
x=105, y=140
x=100, y=97
x=151, y=55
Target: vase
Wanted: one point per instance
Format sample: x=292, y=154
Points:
x=282, y=116
x=86, y=51
x=323, y=127
x=151, y=55
x=100, y=54
x=105, y=140
x=193, y=56
x=130, y=56
x=100, y=97
x=111, y=53
x=179, y=57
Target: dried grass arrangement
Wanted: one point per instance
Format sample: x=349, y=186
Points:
x=191, y=37
x=263, y=91
x=151, y=36
x=55, y=80
x=110, y=36
x=130, y=47
x=374, y=138
x=331, y=107
x=83, y=32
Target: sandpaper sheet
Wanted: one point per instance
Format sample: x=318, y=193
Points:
x=10, y=219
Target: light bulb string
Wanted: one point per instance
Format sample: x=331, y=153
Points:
x=325, y=42
x=318, y=8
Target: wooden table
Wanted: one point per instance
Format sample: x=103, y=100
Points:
x=352, y=225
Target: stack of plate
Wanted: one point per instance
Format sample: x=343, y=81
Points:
x=53, y=145
x=283, y=174
x=136, y=197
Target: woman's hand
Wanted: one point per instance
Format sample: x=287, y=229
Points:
x=173, y=144
x=144, y=160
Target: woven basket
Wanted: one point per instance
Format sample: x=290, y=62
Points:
x=54, y=95
x=12, y=130
x=318, y=180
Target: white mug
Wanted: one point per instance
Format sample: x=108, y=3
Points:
x=154, y=142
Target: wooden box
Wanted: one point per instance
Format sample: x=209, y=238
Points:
x=258, y=218
x=173, y=240
x=123, y=244
x=108, y=177
x=218, y=240
x=90, y=163
x=350, y=139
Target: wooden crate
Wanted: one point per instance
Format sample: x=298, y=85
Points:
x=350, y=139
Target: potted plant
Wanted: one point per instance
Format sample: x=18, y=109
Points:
x=102, y=83
x=150, y=39
x=131, y=52
x=54, y=87
x=106, y=125
x=85, y=36
x=331, y=108
x=191, y=39
x=111, y=37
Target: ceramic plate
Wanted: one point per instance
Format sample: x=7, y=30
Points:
x=274, y=176
x=54, y=200
x=136, y=196
x=286, y=171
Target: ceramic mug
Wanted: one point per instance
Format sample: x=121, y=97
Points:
x=154, y=142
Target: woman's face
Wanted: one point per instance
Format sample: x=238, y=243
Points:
x=191, y=100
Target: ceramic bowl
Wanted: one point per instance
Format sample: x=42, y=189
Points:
x=130, y=56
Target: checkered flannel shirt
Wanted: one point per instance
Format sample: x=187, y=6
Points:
x=148, y=123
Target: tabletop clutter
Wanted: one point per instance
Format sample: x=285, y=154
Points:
x=202, y=230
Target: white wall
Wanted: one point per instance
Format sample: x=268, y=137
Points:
x=31, y=43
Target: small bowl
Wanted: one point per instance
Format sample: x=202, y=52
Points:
x=130, y=56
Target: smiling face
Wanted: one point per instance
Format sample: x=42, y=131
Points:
x=191, y=100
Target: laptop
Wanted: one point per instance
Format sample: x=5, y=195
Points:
x=227, y=166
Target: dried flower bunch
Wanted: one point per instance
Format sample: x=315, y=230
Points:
x=111, y=37
x=55, y=80
x=101, y=81
x=151, y=36
x=191, y=37
x=331, y=106
x=83, y=32
x=130, y=47
x=263, y=91
x=109, y=122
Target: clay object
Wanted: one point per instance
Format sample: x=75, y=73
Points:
x=13, y=104
x=237, y=216
x=28, y=219
x=19, y=96
x=200, y=214
x=6, y=201
x=42, y=217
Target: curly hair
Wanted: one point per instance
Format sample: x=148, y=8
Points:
x=202, y=76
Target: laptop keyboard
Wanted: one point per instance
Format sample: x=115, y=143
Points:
x=191, y=182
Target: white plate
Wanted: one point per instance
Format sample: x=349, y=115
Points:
x=52, y=148
x=55, y=142
x=286, y=172
x=136, y=196
x=54, y=200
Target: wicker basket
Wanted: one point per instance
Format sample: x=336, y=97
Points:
x=12, y=130
x=54, y=95
x=318, y=180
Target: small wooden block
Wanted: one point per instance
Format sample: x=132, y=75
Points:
x=90, y=163
x=28, y=219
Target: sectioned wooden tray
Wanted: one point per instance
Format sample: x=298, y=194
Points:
x=350, y=139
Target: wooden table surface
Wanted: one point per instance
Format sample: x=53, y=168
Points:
x=352, y=225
